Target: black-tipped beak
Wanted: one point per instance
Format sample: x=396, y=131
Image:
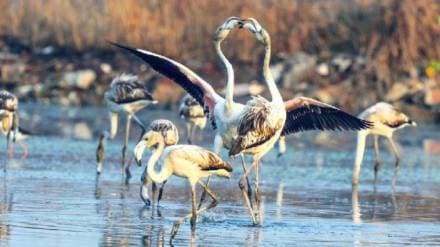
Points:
x=147, y=202
x=138, y=162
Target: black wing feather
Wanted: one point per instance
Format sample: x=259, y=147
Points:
x=312, y=117
x=169, y=70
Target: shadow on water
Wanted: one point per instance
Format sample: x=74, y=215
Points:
x=55, y=198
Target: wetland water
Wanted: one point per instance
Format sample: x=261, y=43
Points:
x=52, y=198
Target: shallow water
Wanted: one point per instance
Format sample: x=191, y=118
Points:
x=53, y=198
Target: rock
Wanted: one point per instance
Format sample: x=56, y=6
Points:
x=342, y=62
x=48, y=50
x=12, y=72
x=332, y=93
x=432, y=92
x=404, y=89
x=106, y=68
x=397, y=91
x=295, y=68
x=322, y=69
x=23, y=91
x=82, y=131
x=73, y=98
x=277, y=71
x=82, y=79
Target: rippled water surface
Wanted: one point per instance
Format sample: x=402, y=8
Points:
x=53, y=198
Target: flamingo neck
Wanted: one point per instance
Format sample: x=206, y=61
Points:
x=230, y=76
x=164, y=174
x=361, y=138
x=267, y=74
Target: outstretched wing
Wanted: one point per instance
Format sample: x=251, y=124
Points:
x=198, y=88
x=308, y=114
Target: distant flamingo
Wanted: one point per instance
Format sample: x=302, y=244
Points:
x=126, y=95
x=9, y=118
x=386, y=119
x=194, y=115
x=187, y=161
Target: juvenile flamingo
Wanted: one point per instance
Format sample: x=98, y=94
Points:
x=171, y=137
x=386, y=119
x=186, y=161
x=9, y=118
x=126, y=95
x=193, y=113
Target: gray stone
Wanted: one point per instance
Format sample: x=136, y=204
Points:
x=82, y=79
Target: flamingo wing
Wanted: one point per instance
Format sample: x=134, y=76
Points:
x=309, y=114
x=128, y=89
x=206, y=160
x=198, y=88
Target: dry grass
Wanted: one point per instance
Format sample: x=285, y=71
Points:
x=394, y=34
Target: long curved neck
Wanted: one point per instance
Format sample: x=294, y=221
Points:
x=361, y=138
x=267, y=74
x=230, y=75
x=164, y=174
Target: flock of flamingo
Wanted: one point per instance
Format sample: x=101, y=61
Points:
x=242, y=129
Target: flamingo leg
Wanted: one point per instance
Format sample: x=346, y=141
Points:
x=394, y=149
x=139, y=122
x=188, y=133
x=144, y=188
x=194, y=212
x=257, y=191
x=243, y=164
x=9, y=145
x=24, y=148
x=202, y=197
x=154, y=192
x=218, y=144
x=124, y=149
x=376, y=157
x=242, y=186
x=159, y=197
x=11, y=151
x=193, y=133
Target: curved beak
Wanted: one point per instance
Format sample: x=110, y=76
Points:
x=138, y=151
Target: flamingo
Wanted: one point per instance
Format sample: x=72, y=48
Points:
x=252, y=128
x=171, y=137
x=186, y=161
x=386, y=119
x=193, y=113
x=265, y=121
x=9, y=118
x=126, y=95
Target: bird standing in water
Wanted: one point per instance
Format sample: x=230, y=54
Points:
x=126, y=95
x=186, y=161
x=171, y=137
x=9, y=118
x=386, y=120
x=194, y=115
